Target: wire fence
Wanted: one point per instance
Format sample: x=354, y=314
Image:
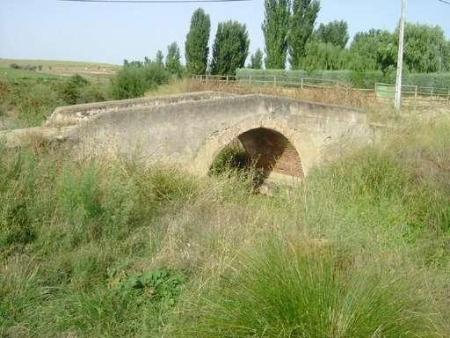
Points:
x=383, y=92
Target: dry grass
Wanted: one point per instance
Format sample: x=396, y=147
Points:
x=340, y=96
x=357, y=98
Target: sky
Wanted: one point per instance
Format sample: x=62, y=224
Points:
x=104, y=32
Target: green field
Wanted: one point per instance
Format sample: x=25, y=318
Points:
x=113, y=248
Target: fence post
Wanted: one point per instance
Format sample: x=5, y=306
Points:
x=227, y=78
x=415, y=97
x=249, y=79
x=274, y=80
x=301, y=82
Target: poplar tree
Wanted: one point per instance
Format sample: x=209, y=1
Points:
x=304, y=15
x=275, y=28
x=196, y=46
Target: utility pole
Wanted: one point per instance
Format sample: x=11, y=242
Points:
x=398, y=82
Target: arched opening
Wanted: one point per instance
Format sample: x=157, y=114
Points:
x=266, y=150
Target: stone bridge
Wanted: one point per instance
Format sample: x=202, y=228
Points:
x=285, y=137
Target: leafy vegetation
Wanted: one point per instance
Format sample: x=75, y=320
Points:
x=115, y=248
x=28, y=97
x=256, y=60
x=275, y=29
x=196, y=46
x=135, y=78
x=335, y=32
x=230, y=49
x=303, y=18
x=173, y=63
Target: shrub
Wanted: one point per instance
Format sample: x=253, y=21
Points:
x=232, y=157
x=91, y=93
x=233, y=160
x=34, y=102
x=70, y=91
x=134, y=79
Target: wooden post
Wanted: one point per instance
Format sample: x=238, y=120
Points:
x=398, y=82
x=415, y=97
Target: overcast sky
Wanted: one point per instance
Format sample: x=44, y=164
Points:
x=49, y=29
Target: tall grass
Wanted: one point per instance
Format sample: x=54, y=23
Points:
x=115, y=248
x=30, y=100
x=300, y=290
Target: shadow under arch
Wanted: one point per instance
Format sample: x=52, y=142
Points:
x=267, y=150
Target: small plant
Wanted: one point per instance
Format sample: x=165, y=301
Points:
x=232, y=158
x=158, y=286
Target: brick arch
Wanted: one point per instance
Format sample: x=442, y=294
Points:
x=299, y=140
x=271, y=151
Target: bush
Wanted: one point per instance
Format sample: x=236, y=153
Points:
x=34, y=102
x=91, y=93
x=134, y=79
x=292, y=290
x=70, y=91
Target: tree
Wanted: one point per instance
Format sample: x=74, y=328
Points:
x=256, y=60
x=173, y=64
x=335, y=32
x=196, y=45
x=159, y=59
x=275, y=29
x=324, y=56
x=373, y=50
x=230, y=49
x=426, y=48
x=304, y=15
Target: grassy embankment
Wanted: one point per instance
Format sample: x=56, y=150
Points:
x=32, y=89
x=110, y=248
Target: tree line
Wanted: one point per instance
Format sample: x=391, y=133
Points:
x=291, y=37
x=291, y=41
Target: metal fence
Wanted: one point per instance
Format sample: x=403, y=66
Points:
x=387, y=91
x=382, y=91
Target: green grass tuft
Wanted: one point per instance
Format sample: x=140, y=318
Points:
x=296, y=290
